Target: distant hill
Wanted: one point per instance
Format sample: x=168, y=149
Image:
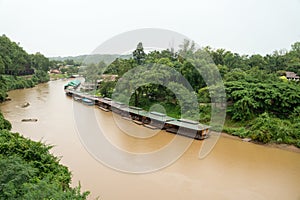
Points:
x=94, y=58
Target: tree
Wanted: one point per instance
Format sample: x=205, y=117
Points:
x=14, y=174
x=257, y=61
x=2, y=66
x=106, y=89
x=187, y=48
x=296, y=47
x=253, y=86
x=139, y=54
x=90, y=73
x=14, y=60
x=29, y=171
x=40, y=62
x=4, y=124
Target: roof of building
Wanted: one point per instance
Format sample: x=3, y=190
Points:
x=55, y=71
x=291, y=75
x=183, y=123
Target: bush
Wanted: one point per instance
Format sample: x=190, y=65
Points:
x=18, y=180
x=3, y=95
x=29, y=171
x=9, y=82
x=241, y=131
x=269, y=129
x=261, y=136
x=4, y=124
x=205, y=113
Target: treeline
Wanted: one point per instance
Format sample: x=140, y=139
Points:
x=29, y=171
x=18, y=69
x=257, y=91
x=89, y=59
x=16, y=61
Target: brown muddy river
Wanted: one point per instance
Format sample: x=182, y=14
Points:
x=233, y=170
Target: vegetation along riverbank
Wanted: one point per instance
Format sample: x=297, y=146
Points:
x=27, y=169
x=262, y=92
x=262, y=95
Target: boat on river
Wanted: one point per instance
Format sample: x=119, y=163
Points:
x=188, y=128
x=152, y=120
x=77, y=98
x=73, y=84
x=29, y=120
x=87, y=101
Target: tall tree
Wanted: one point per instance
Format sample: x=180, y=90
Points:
x=40, y=62
x=139, y=54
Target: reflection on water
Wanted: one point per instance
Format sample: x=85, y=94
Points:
x=233, y=170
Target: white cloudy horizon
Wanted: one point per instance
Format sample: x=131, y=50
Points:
x=77, y=27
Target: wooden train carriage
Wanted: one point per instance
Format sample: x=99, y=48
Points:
x=188, y=128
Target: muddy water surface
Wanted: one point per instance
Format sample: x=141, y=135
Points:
x=233, y=170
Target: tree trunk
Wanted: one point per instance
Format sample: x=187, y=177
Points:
x=136, y=100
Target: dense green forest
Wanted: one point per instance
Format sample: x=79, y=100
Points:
x=261, y=103
x=18, y=69
x=27, y=169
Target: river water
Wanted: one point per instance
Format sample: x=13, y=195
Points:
x=233, y=170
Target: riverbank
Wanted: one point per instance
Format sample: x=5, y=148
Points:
x=286, y=147
x=150, y=119
x=239, y=133
x=9, y=82
x=229, y=172
x=27, y=168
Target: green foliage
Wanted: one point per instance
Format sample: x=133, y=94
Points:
x=92, y=72
x=40, y=76
x=106, y=89
x=270, y=129
x=120, y=66
x=70, y=70
x=254, y=88
x=139, y=54
x=205, y=113
x=241, y=131
x=187, y=48
x=40, y=62
x=13, y=59
x=29, y=171
x=251, y=99
x=15, y=63
x=4, y=124
x=14, y=174
x=9, y=82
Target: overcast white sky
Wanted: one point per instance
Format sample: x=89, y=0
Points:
x=74, y=27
